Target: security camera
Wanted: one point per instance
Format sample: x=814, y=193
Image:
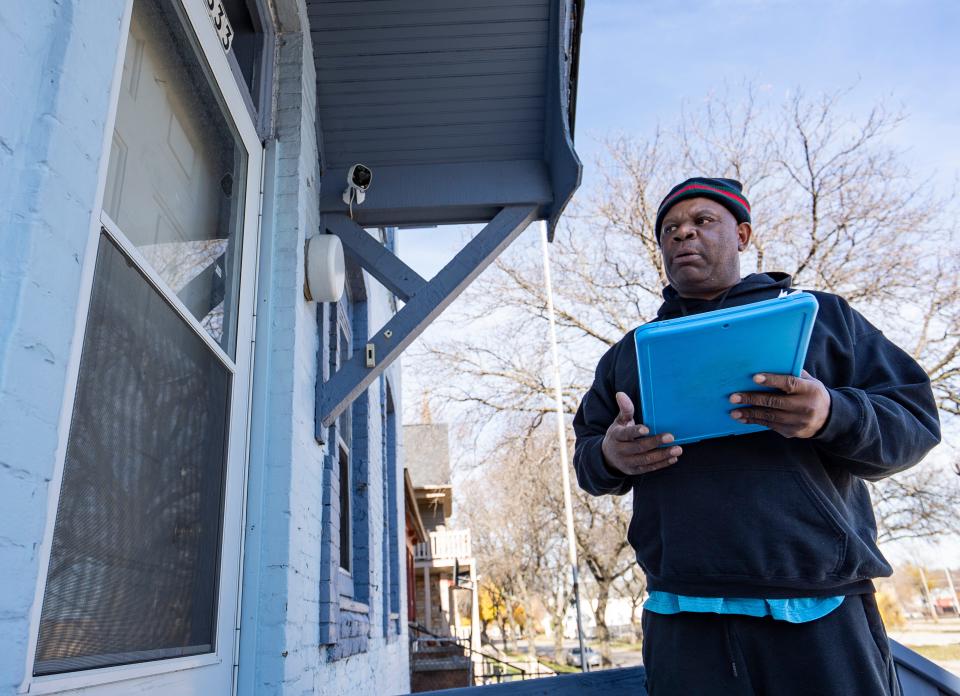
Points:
x=358, y=181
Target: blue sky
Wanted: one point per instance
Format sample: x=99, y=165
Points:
x=641, y=60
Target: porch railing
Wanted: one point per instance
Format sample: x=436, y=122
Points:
x=428, y=649
x=445, y=544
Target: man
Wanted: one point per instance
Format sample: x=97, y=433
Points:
x=759, y=549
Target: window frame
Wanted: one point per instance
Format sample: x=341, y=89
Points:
x=391, y=528
x=174, y=671
x=395, y=519
x=344, y=325
x=263, y=24
x=341, y=442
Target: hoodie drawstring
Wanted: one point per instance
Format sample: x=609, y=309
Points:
x=729, y=640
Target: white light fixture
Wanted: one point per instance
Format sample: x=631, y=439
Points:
x=325, y=269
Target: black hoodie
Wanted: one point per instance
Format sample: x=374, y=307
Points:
x=762, y=515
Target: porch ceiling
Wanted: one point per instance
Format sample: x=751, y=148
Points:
x=460, y=107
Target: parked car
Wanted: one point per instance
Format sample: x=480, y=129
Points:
x=593, y=657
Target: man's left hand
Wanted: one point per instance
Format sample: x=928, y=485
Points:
x=799, y=411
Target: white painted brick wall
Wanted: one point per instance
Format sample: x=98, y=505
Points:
x=50, y=153
x=58, y=63
x=287, y=653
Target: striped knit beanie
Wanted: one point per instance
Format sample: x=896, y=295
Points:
x=726, y=192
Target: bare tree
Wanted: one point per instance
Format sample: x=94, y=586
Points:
x=922, y=505
x=600, y=525
x=512, y=511
x=833, y=204
x=514, y=508
x=634, y=587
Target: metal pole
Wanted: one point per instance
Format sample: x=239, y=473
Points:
x=926, y=592
x=562, y=437
x=953, y=590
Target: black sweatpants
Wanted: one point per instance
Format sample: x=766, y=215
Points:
x=845, y=653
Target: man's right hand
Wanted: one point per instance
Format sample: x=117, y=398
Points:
x=630, y=448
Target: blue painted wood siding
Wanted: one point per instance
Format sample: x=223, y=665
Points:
x=430, y=81
x=626, y=681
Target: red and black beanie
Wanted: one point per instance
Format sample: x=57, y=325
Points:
x=726, y=192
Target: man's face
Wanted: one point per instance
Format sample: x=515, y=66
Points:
x=701, y=241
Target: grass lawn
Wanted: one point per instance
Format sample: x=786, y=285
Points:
x=557, y=667
x=938, y=652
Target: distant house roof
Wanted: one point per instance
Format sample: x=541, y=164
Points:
x=459, y=108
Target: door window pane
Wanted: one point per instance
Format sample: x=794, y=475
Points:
x=135, y=555
x=176, y=177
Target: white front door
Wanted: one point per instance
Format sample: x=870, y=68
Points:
x=142, y=578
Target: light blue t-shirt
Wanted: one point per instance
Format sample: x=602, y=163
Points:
x=794, y=609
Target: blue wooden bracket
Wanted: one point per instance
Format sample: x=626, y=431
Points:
x=423, y=306
x=375, y=258
x=921, y=677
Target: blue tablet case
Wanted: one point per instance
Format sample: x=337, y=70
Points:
x=690, y=366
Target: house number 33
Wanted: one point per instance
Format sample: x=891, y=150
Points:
x=220, y=22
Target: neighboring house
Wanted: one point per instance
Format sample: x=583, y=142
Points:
x=200, y=469
x=618, y=615
x=446, y=599
x=416, y=534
